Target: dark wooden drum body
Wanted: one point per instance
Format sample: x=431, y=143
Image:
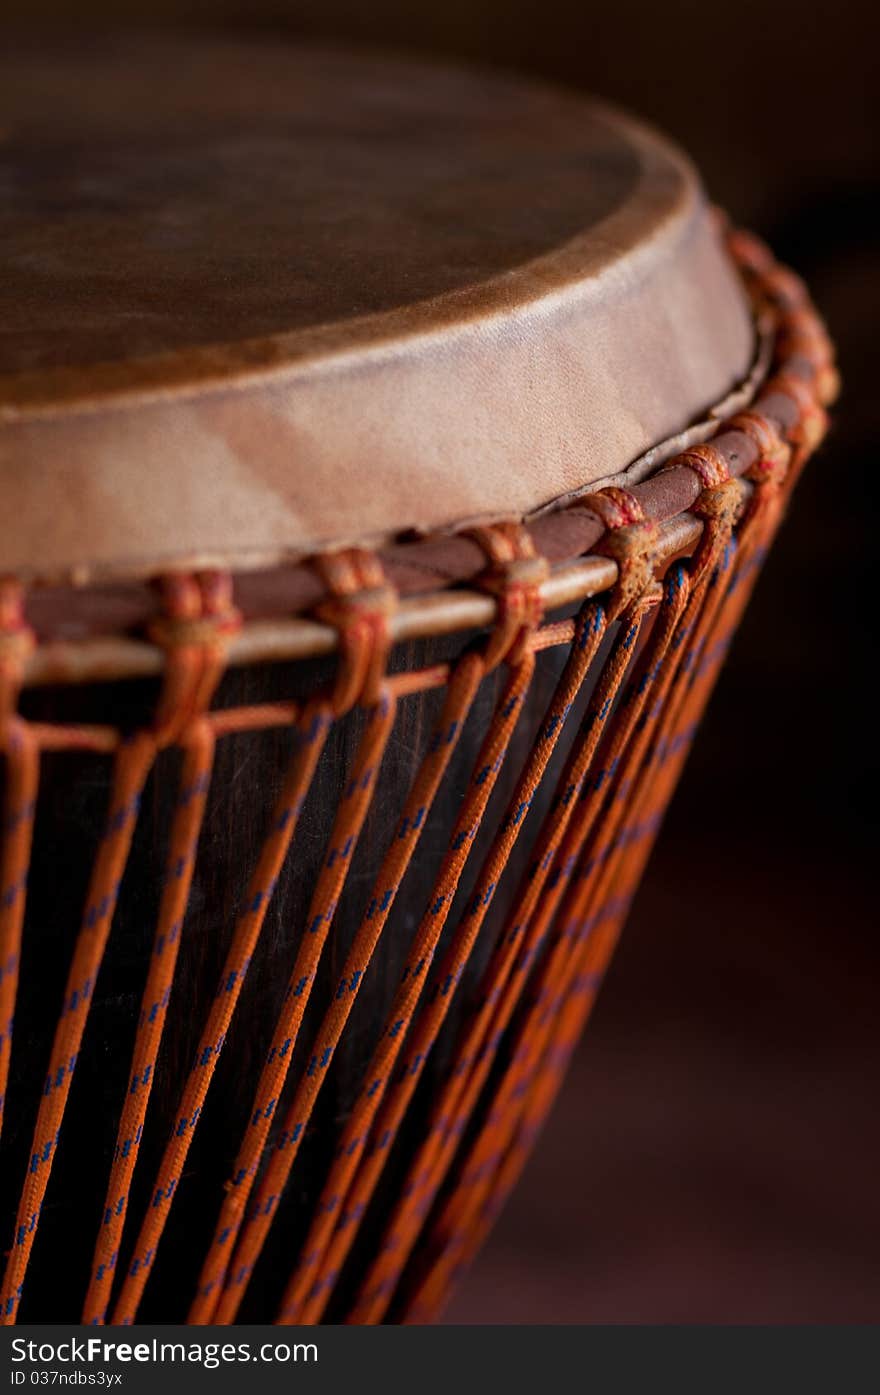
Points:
x=355, y=619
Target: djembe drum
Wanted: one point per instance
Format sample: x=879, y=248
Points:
x=387, y=457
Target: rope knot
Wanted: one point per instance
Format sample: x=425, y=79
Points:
x=706, y=462
x=360, y=606
x=197, y=611
x=774, y=454
x=722, y=503
x=616, y=507
x=514, y=575
x=719, y=502
x=720, y=507
x=630, y=539
x=197, y=622
x=633, y=547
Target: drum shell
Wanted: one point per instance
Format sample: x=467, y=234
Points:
x=249, y=766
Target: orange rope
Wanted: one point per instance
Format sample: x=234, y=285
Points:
x=565, y=997
x=632, y=546
x=583, y=911
x=187, y=825
x=515, y=579
x=473, y=1058
x=349, y=821
x=22, y=777
x=132, y=766
x=198, y=620
x=210, y=1306
x=562, y=980
x=311, y=733
x=377, y=1076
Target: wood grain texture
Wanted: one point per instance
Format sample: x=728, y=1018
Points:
x=260, y=299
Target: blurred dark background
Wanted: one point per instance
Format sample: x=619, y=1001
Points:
x=714, y=1156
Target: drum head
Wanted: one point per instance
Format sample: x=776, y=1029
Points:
x=261, y=299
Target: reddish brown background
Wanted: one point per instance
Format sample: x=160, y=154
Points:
x=715, y=1154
